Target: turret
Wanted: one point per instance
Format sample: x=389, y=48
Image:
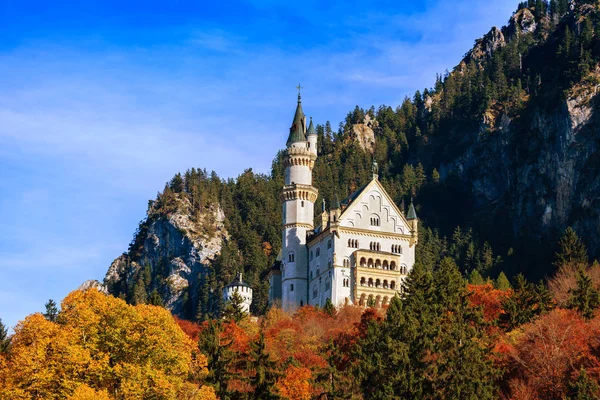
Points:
x=335, y=209
x=311, y=136
x=243, y=290
x=324, y=217
x=413, y=223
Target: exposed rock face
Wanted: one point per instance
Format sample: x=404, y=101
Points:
x=364, y=134
x=176, y=249
x=485, y=47
x=521, y=23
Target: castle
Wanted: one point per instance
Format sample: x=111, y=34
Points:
x=361, y=249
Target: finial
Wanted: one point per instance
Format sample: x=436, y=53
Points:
x=375, y=168
x=299, y=87
x=323, y=206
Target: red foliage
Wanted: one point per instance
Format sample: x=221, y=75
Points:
x=489, y=299
x=548, y=353
x=190, y=328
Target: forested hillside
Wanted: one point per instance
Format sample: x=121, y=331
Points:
x=501, y=155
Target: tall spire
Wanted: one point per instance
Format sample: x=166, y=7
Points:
x=335, y=202
x=297, y=130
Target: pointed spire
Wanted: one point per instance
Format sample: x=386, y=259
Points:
x=412, y=214
x=335, y=203
x=297, y=130
x=311, y=128
x=323, y=205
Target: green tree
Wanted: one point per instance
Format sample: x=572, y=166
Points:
x=475, y=278
x=219, y=357
x=4, y=338
x=329, y=308
x=527, y=302
x=234, y=309
x=502, y=282
x=265, y=371
x=571, y=251
x=51, y=311
x=584, y=297
x=155, y=299
x=584, y=388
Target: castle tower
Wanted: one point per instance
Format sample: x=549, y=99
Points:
x=298, y=200
x=242, y=289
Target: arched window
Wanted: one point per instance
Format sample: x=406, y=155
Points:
x=292, y=287
x=378, y=283
x=346, y=282
x=385, y=266
x=318, y=251
x=301, y=303
x=363, y=297
x=385, y=284
x=329, y=244
x=302, y=203
x=349, y=242
x=370, y=282
x=363, y=281
x=370, y=263
x=393, y=265
x=291, y=257
x=378, y=263
x=363, y=262
x=393, y=285
x=378, y=246
x=375, y=220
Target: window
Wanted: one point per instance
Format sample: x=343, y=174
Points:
x=329, y=244
x=311, y=275
x=302, y=203
x=292, y=287
x=301, y=303
x=375, y=246
x=311, y=255
x=315, y=292
x=291, y=257
x=329, y=264
x=375, y=220
x=318, y=251
x=327, y=282
x=346, y=282
x=353, y=243
x=396, y=248
x=318, y=271
x=393, y=285
x=363, y=281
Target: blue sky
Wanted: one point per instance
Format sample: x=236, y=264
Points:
x=102, y=102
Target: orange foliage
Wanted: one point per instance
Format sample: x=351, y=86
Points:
x=547, y=353
x=565, y=280
x=295, y=383
x=489, y=299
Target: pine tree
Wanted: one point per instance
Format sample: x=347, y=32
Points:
x=219, y=357
x=571, y=251
x=329, y=308
x=435, y=176
x=526, y=302
x=234, y=309
x=475, y=278
x=51, y=311
x=584, y=297
x=265, y=371
x=155, y=299
x=4, y=338
x=502, y=282
x=584, y=388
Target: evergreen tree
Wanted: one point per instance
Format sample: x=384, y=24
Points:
x=527, y=302
x=4, y=338
x=234, y=309
x=584, y=297
x=219, y=357
x=584, y=388
x=155, y=299
x=329, y=308
x=51, y=311
x=571, y=251
x=265, y=371
x=475, y=278
x=502, y=282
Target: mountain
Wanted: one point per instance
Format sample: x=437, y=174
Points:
x=505, y=146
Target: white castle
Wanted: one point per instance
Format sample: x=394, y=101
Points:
x=359, y=253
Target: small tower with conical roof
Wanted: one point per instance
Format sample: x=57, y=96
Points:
x=243, y=290
x=298, y=200
x=413, y=223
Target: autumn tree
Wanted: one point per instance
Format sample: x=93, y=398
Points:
x=584, y=388
x=100, y=341
x=585, y=298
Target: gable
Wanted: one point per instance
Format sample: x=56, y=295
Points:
x=371, y=206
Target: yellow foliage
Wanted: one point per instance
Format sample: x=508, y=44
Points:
x=101, y=342
x=295, y=384
x=84, y=392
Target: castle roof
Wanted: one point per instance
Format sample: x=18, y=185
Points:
x=311, y=128
x=297, y=129
x=335, y=202
x=412, y=214
x=238, y=282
